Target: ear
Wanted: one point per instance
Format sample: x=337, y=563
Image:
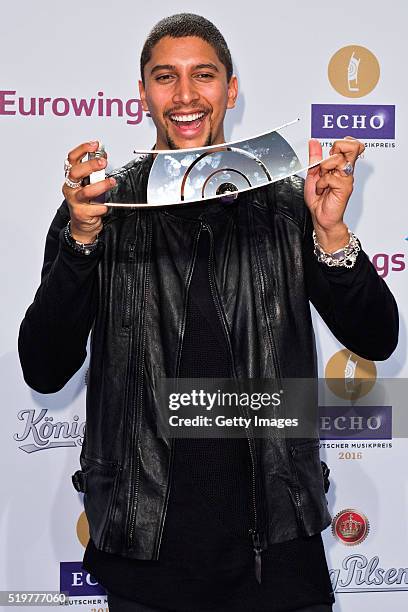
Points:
x=142, y=93
x=232, y=91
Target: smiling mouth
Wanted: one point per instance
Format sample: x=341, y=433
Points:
x=188, y=121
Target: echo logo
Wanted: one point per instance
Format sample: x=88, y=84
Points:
x=77, y=582
x=370, y=121
x=355, y=422
x=385, y=263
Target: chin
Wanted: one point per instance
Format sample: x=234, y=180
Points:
x=188, y=143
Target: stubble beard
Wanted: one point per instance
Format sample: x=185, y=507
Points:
x=172, y=145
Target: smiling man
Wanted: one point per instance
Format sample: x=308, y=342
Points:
x=187, y=87
x=214, y=290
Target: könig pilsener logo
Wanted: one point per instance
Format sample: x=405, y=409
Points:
x=350, y=527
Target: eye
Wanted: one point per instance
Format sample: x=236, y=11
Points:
x=204, y=76
x=164, y=77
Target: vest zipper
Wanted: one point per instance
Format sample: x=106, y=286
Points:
x=166, y=503
x=134, y=467
x=258, y=550
x=128, y=289
x=262, y=287
x=254, y=533
x=297, y=498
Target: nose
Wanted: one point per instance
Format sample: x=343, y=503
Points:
x=185, y=91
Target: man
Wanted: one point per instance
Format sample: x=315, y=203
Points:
x=221, y=290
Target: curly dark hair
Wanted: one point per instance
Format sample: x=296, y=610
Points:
x=187, y=24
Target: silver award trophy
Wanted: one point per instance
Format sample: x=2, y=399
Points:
x=192, y=175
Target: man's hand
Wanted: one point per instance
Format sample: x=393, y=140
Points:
x=86, y=219
x=328, y=189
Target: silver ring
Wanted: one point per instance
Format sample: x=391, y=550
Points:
x=348, y=169
x=67, y=167
x=72, y=184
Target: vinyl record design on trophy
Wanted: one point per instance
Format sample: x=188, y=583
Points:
x=192, y=175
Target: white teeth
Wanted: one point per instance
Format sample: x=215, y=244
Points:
x=192, y=117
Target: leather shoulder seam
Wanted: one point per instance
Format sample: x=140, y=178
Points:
x=289, y=200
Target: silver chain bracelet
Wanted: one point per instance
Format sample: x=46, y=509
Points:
x=345, y=257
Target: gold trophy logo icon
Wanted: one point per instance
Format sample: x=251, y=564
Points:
x=353, y=71
x=349, y=376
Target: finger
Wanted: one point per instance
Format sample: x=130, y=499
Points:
x=90, y=192
x=361, y=145
x=315, y=155
x=84, y=194
x=89, y=212
x=334, y=162
x=346, y=138
x=349, y=147
x=75, y=156
x=315, y=151
x=335, y=182
x=81, y=170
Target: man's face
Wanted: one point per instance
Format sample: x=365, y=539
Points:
x=187, y=93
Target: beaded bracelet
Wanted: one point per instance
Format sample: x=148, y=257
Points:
x=79, y=247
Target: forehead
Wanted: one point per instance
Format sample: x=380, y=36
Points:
x=183, y=52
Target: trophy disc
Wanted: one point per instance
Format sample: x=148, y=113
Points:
x=192, y=175
x=188, y=176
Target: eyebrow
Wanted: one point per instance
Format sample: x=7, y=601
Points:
x=202, y=66
x=171, y=67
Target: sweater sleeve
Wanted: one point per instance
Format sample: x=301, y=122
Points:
x=54, y=332
x=355, y=303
